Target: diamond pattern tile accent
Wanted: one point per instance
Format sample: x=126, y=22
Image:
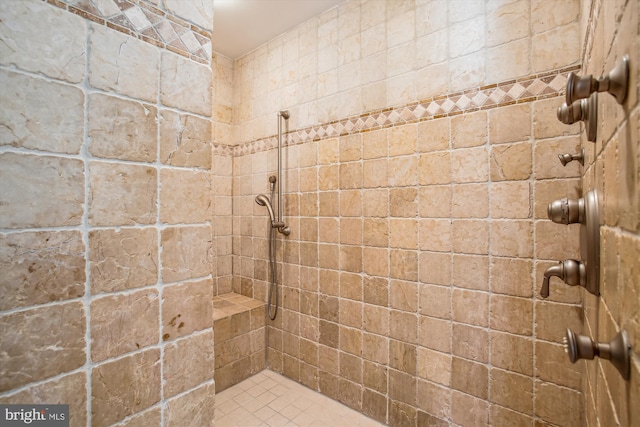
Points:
x=141, y=19
x=536, y=87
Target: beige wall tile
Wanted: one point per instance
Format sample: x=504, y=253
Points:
x=376, y=261
x=557, y=241
x=404, y=295
x=26, y=354
x=511, y=276
x=181, y=261
x=435, y=201
x=38, y=114
x=185, y=84
x=503, y=417
x=426, y=55
x=328, y=177
x=185, y=196
x=402, y=387
x=512, y=238
x=351, y=175
x=434, y=135
x=122, y=194
x=544, y=16
x=558, y=404
x=468, y=410
x=471, y=236
x=470, y=165
x=186, y=308
x=433, y=80
x=374, y=144
x=375, y=203
x=435, y=334
x=434, y=366
x=507, y=22
x=376, y=290
x=376, y=319
x=435, y=300
x=197, y=406
x=470, y=201
x=509, y=60
x=185, y=140
x=435, y=268
x=403, y=233
x=469, y=130
x=67, y=390
x=470, y=307
x=44, y=39
x=511, y=161
x=328, y=204
x=121, y=129
x=350, y=148
x=548, y=357
x=124, y=387
x=403, y=326
x=117, y=61
x=52, y=197
x=552, y=320
x=510, y=124
x=308, y=180
x=328, y=151
x=403, y=264
x=135, y=326
x=471, y=272
x=434, y=399
x=402, y=171
x=187, y=362
x=470, y=342
x=435, y=234
x=511, y=200
x=402, y=140
x=511, y=314
x=123, y=259
x=434, y=168
x=403, y=202
x=40, y=267
x=557, y=47
x=470, y=377
x=512, y=352
x=351, y=203
x=375, y=173
x=512, y=390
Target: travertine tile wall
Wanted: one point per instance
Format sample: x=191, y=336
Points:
x=611, y=166
x=410, y=279
x=106, y=242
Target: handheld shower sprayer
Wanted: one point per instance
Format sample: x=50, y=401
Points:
x=263, y=200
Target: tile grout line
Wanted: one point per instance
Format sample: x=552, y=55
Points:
x=85, y=228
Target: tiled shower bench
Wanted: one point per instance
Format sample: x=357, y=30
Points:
x=239, y=338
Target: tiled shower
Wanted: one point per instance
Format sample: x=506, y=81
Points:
x=419, y=159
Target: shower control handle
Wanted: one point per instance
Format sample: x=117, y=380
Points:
x=616, y=83
x=566, y=158
x=571, y=272
x=566, y=211
x=617, y=350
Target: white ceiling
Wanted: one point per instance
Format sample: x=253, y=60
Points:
x=239, y=26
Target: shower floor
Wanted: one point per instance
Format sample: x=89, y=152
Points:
x=269, y=399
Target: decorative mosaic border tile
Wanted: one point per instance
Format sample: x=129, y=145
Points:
x=140, y=19
x=519, y=91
